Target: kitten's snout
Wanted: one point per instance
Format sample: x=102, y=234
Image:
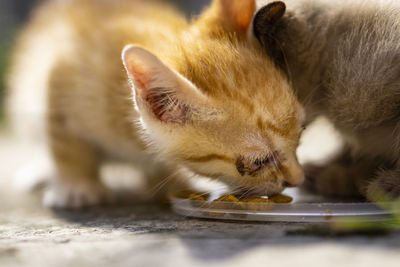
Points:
x=294, y=175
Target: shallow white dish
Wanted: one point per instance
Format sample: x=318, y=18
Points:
x=303, y=209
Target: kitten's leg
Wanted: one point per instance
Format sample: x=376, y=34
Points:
x=77, y=183
x=345, y=176
x=385, y=187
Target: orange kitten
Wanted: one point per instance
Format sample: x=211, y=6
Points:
x=202, y=97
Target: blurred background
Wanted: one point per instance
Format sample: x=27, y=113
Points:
x=13, y=14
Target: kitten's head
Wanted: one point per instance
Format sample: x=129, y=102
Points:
x=221, y=109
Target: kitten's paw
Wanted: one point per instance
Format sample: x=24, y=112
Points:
x=386, y=187
x=331, y=180
x=76, y=195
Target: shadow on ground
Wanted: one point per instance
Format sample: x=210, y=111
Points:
x=211, y=240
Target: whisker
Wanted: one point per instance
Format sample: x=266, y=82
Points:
x=245, y=193
x=153, y=191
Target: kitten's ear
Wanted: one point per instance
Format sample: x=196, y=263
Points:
x=238, y=13
x=268, y=26
x=159, y=91
x=267, y=19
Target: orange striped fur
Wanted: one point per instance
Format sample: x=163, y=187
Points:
x=204, y=98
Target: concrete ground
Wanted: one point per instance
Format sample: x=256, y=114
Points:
x=149, y=235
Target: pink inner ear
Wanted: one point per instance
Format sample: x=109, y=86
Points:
x=166, y=107
x=159, y=90
x=140, y=76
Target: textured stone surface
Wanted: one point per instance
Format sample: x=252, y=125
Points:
x=147, y=235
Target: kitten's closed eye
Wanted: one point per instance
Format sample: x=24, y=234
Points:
x=250, y=167
x=262, y=162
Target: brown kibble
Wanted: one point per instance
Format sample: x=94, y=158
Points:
x=232, y=202
x=245, y=203
x=227, y=198
x=281, y=199
x=255, y=200
x=226, y=202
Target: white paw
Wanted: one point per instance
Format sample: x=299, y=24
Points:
x=75, y=195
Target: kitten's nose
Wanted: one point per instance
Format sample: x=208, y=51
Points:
x=294, y=175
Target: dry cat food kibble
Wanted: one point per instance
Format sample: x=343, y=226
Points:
x=281, y=199
x=273, y=199
x=231, y=201
x=253, y=203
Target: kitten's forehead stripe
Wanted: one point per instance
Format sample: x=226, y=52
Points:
x=260, y=124
x=209, y=157
x=266, y=125
x=272, y=127
x=246, y=103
